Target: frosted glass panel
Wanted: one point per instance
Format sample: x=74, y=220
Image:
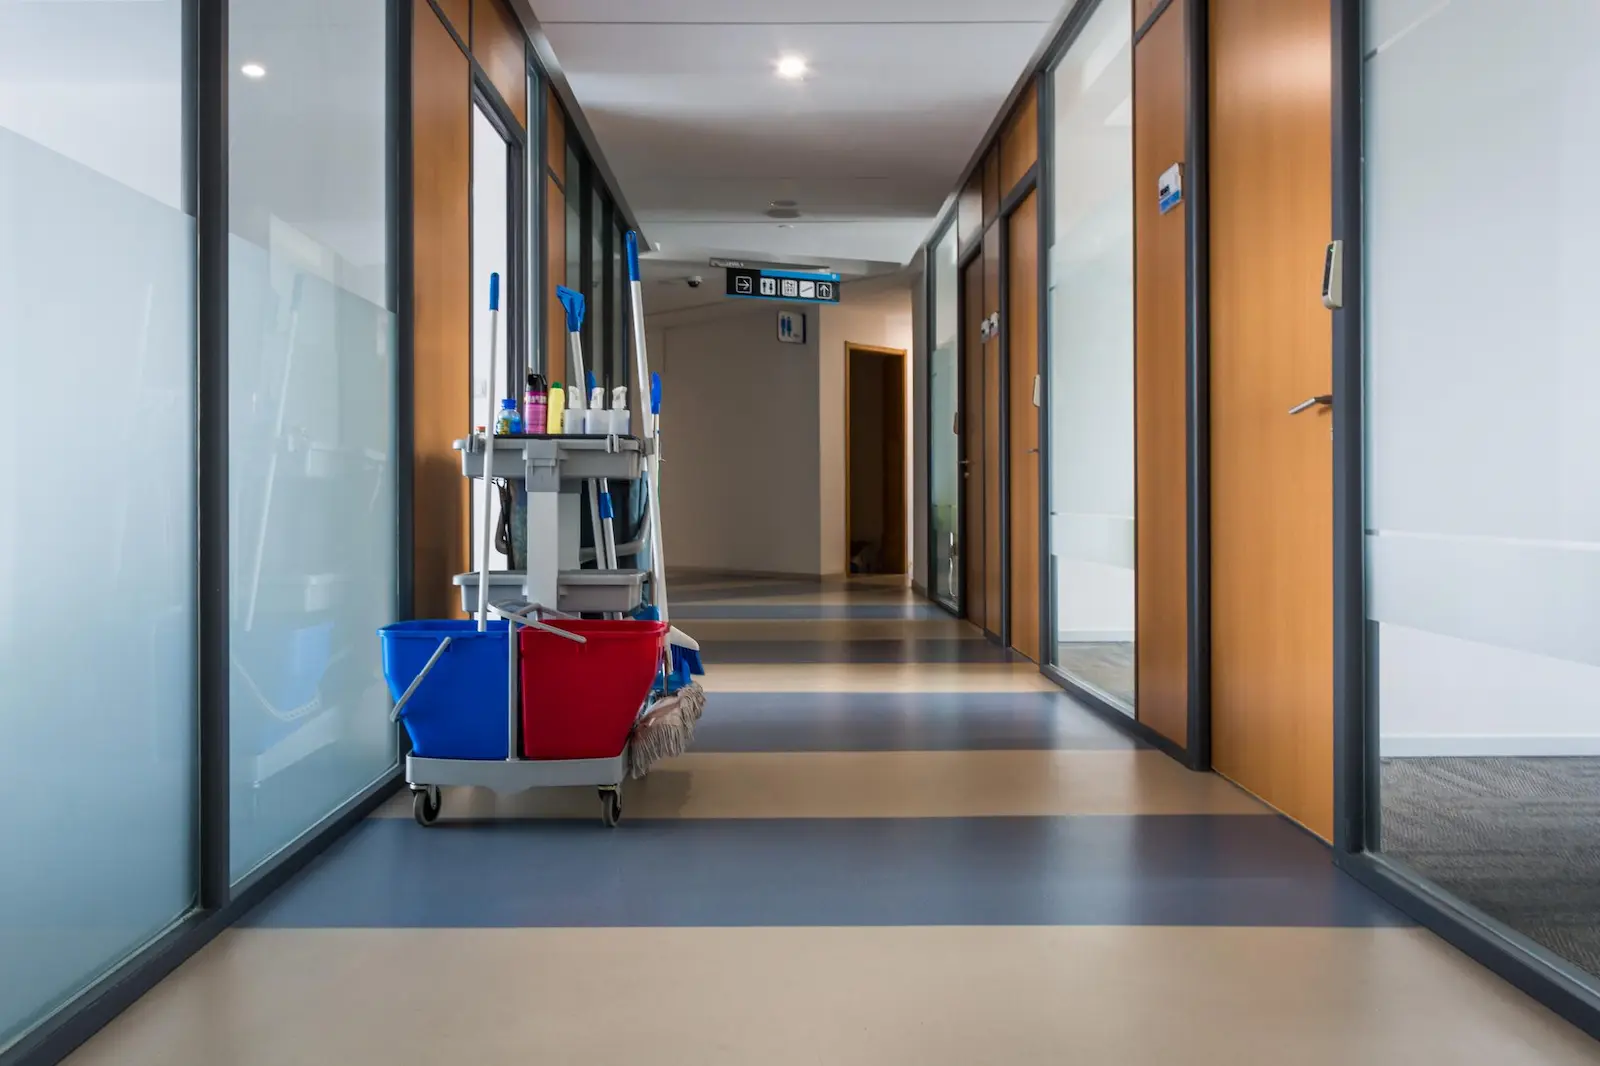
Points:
x=490, y=215
x=97, y=523
x=1483, y=500
x=944, y=385
x=1091, y=358
x=311, y=417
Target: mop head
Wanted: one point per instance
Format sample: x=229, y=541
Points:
x=666, y=728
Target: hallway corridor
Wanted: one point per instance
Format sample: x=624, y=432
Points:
x=890, y=844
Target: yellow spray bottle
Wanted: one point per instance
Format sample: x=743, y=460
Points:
x=557, y=406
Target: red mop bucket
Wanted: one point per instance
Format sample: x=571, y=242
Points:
x=579, y=701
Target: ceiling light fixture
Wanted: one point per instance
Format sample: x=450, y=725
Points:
x=792, y=67
x=253, y=70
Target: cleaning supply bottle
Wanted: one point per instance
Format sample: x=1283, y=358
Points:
x=509, y=423
x=555, y=407
x=535, y=405
x=621, y=421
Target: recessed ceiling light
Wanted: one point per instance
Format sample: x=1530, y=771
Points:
x=792, y=67
x=785, y=225
x=782, y=203
x=253, y=70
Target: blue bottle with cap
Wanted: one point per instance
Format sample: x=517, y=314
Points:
x=509, y=423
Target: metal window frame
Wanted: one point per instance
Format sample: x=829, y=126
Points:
x=1528, y=966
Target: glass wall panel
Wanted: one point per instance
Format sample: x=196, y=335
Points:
x=574, y=202
x=1091, y=359
x=1483, y=502
x=311, y=414
x=599, y=359
x=491, y=230
x=944, y=442
x=97, y=503
x=621, y=309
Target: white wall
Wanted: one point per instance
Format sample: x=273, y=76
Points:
x=739, y=436
x=883, y=321
x=1483, y=497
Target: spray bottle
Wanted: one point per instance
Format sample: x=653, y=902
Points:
x=535, y=405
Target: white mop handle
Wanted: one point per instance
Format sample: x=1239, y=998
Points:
x=641, y=363
x=488, y=454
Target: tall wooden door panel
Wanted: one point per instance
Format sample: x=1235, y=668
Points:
x=1160, y=331
x=993, y=545
x=972, y=464
x=1271, y=349
x=1022, y=346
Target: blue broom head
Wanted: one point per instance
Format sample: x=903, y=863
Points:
x=688, y=661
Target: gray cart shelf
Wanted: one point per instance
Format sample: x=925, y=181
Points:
x=577, y=591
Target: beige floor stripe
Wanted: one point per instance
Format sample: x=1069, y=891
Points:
x=835, y=997
x=897, y=784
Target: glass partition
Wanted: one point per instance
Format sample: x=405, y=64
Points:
x=944, y=441
x=311, y=382
x=1482, y=500
x=1091, y=488
x=491, y=231
x=97, y=475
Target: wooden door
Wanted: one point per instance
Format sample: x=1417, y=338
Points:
x=972, y=460
x=1022, y=351
x=893, y=368
x=1271, y=348
x=993, y=546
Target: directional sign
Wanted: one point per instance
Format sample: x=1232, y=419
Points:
x=795, y=285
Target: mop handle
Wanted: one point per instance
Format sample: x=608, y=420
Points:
x=574, y=303
x=641, y=362
x=488, y=454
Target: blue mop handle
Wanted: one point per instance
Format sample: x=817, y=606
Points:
x=655, y=393
x=572, y=300
x=494, y=292
x=633, y=255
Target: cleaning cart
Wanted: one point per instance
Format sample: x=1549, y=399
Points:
x=528, y=695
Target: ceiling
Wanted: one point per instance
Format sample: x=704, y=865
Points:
x=703, y=136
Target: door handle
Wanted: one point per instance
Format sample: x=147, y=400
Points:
x=964, y=462
x=1325, y=400
x=1031, y=451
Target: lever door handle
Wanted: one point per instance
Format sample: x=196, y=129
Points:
x=1032, y=451
x=1325, y=400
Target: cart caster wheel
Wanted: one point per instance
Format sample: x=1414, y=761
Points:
x=425, y=804
x=610, y=807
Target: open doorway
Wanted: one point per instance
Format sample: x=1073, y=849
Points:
x=875, y=460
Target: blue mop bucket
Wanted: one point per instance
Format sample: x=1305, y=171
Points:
x=459, y=709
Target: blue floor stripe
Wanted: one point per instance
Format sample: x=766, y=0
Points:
x=1106, y=870
x=805, y=612
x=933, y=650
x=902, y=721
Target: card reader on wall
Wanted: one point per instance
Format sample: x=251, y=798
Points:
x=1333, y=276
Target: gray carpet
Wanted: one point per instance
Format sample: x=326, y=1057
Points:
x=1106, y=665
x=1517, y=838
